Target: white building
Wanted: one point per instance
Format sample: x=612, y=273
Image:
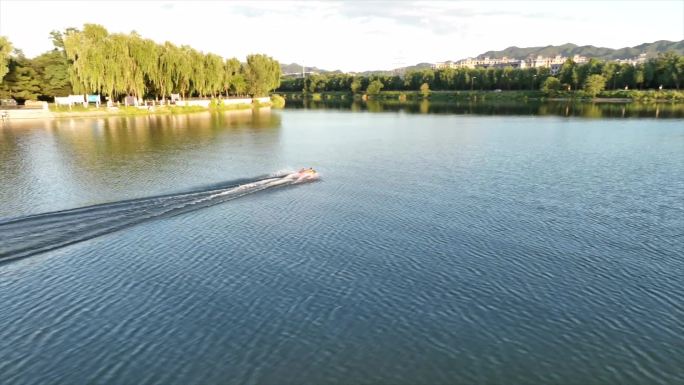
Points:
x=641, y=59
x=554, y=63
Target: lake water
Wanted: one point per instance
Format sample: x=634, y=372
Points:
x=436, y=248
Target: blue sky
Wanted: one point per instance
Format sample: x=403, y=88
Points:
x=353, y=35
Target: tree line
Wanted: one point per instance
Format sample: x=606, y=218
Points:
x=666, y=70
x=94, y=61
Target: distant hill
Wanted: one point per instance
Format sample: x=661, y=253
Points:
x=297, y=68
x=651, y=50
x=397, y=71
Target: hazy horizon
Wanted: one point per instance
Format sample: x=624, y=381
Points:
x=352, y=35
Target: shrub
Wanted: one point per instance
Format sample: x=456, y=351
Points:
x=425, y=90
x=594, y=85
x=277, y=101
x=551, y=85
x=374, y=87
x=215, y=104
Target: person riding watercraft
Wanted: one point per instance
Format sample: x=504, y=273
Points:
x=307, y=171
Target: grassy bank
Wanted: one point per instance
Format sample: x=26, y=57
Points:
x=645, y=95
x=61, y=111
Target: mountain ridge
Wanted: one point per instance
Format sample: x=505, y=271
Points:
x=603, y=53
x=567, y=49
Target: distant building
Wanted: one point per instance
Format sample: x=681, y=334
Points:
x=641, y=59
x=554, y=63
x=299, y=74
x=482, y=63
x=444, y=65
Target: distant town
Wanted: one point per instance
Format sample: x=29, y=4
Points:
x=553, y=63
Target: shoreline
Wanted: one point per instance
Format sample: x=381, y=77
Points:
x=79, y=112
x=631, y=96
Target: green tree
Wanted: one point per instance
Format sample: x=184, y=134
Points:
x=144, y=59
x=639, y=77
x=184, y=70
x=374, y=87
x=86, y=51
x=262, y=74
x=610, y=71
x=231, y=71
x=213, y=66
x=52, y=68
x=425, y=90
x=414, y=79
x=314, y=83
x=551, y=85
x=198, y=74
x=21, y=82
x=355, y=85
x=239, y=85
x=5, y=50
x=164, y=83
x=626, y=76
x=594, y=85
x=568, y=74
x=650, y=74
x=669, y=69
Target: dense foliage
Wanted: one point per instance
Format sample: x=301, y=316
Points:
x=5, y=50
x=374, y=87
x=666, y=70
x=93, y=60
x=21, y=80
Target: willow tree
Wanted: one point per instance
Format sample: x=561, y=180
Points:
x=175, y=63
x=183, y=71
x=213, y=69
x=197, y=74
x=120, y=74
x=165, y=74
x=239, y=84
x=86, y=49
x=113, y=64
x=262, y=74
x=127, y=64
x=231, y=72
x=144, y=57
x=5, y=50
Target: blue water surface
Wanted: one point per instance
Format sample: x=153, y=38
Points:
x=436, y=249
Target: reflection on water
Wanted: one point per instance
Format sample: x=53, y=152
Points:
x=43, y=159
x=530, y=107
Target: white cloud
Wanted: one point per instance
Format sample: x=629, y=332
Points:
x=352, y=35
